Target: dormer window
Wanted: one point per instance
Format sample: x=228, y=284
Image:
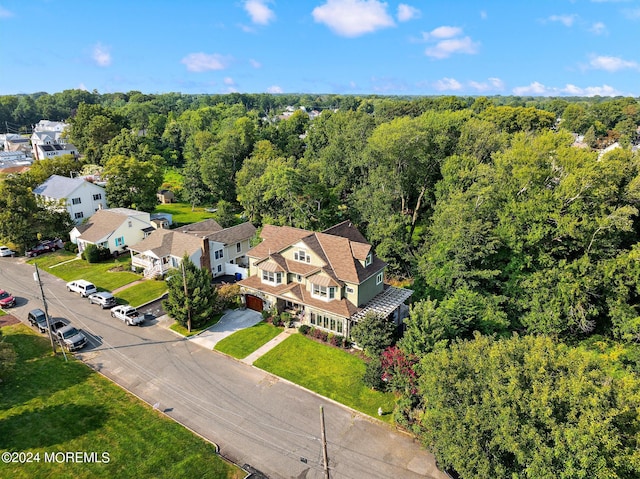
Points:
x=270, y=277
x=369, y=260
x=323, y=292
x=302, y=256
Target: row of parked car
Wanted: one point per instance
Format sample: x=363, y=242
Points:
x=42, y=247
x=70, y=337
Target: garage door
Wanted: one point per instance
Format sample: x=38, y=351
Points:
x=253, y=302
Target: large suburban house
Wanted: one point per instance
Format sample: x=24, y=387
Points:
x=114, y=229
x=80, y=198
x=328, y=279
x=48, y=141
x=221, y=251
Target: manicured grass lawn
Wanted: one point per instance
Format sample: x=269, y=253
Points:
x=59, y=264
x=182, y=213
x=242, y=343
x=180, y=330
x=142, y=293
x=48, y=405
x=329, y=371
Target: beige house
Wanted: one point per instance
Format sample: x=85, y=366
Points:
x=328, y=280
x=114, y=229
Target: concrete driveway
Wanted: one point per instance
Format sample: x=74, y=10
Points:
x=231, y=322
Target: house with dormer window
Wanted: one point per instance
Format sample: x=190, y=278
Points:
x=328, y=280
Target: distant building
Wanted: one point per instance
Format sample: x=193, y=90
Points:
x=78, y=197
x=48, y=140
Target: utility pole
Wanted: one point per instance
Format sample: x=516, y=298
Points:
x=36, y=277
x=186, y=297
x=324, y=444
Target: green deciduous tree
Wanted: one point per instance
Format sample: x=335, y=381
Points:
x=529, y=408
x=132, y=183
x=373, y=334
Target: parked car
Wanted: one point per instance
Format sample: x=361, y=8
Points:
x=4, y=251
x=128, y=314
x=71, y=338
x=44, y=247
x=6, y=300
x=55, y=325
x=104, y=299
x=85, y=288
x=38, y=319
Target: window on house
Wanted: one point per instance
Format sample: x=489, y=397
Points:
x=79, y=215
x=323, y=291
x=76, y=201
x=350, y=290
x=238, y=247
x=219, y=254
x=369, y=259
x=97, y=196
x=130, y=223
x=298, y=278
x=270, y=277
x=302, y=256
x=120, y=241
x=379, y=278
x=219, y=268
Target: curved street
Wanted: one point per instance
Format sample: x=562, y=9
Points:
x=254, y=417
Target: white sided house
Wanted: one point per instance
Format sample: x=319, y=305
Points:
x=222, y=251
x=164, y=249
x=114, y=229
x=80, y=198
x=48, y=141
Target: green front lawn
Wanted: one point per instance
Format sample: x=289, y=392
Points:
x=242, y=343
x=65, y=265
x=329, y=371
x=142, y=293
x=182, y=213
x=49, y=406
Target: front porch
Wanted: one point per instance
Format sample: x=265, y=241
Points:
x=151, y=266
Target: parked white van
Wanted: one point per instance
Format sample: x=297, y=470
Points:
x=85, y=288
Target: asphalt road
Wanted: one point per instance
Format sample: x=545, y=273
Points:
x=254, y=417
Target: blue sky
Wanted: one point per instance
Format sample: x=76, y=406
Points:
x=408, y=47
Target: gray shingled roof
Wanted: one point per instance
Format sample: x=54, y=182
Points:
x=58, y=186
x=233, y=234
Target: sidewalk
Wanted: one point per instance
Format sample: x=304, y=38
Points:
x=268, y=346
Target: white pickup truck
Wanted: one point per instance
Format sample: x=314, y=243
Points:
x=128, y=314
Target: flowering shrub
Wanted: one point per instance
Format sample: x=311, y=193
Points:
x=398, y=370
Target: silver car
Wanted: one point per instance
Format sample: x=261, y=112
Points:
x=104, y=299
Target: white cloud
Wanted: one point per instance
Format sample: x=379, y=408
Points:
x=446, y=48
x=539, y=89
x=566, y=20
x=491, y=84
x=4, y=13
x=202, y=62
x=255, y=63
x=81, y=86
x=274, y=89
x=259, y=12
x=101, y=55
x=598, y=28
x=447, y=84
x=483, y=15
x=534, y=88
x=229, y=81
x=407, y=12
x=631, y=13
x=612, y=64
x=442, y=32
x=352, y=18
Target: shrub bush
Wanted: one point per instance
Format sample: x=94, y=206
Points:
x=71, y=247
x=304, y=329
x=95, y=254
x=228, y=297
x=320, y=334
x=336, y=340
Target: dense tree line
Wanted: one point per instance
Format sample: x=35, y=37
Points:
x=521, y=247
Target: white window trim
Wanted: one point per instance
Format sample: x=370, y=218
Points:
x=380, y=277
